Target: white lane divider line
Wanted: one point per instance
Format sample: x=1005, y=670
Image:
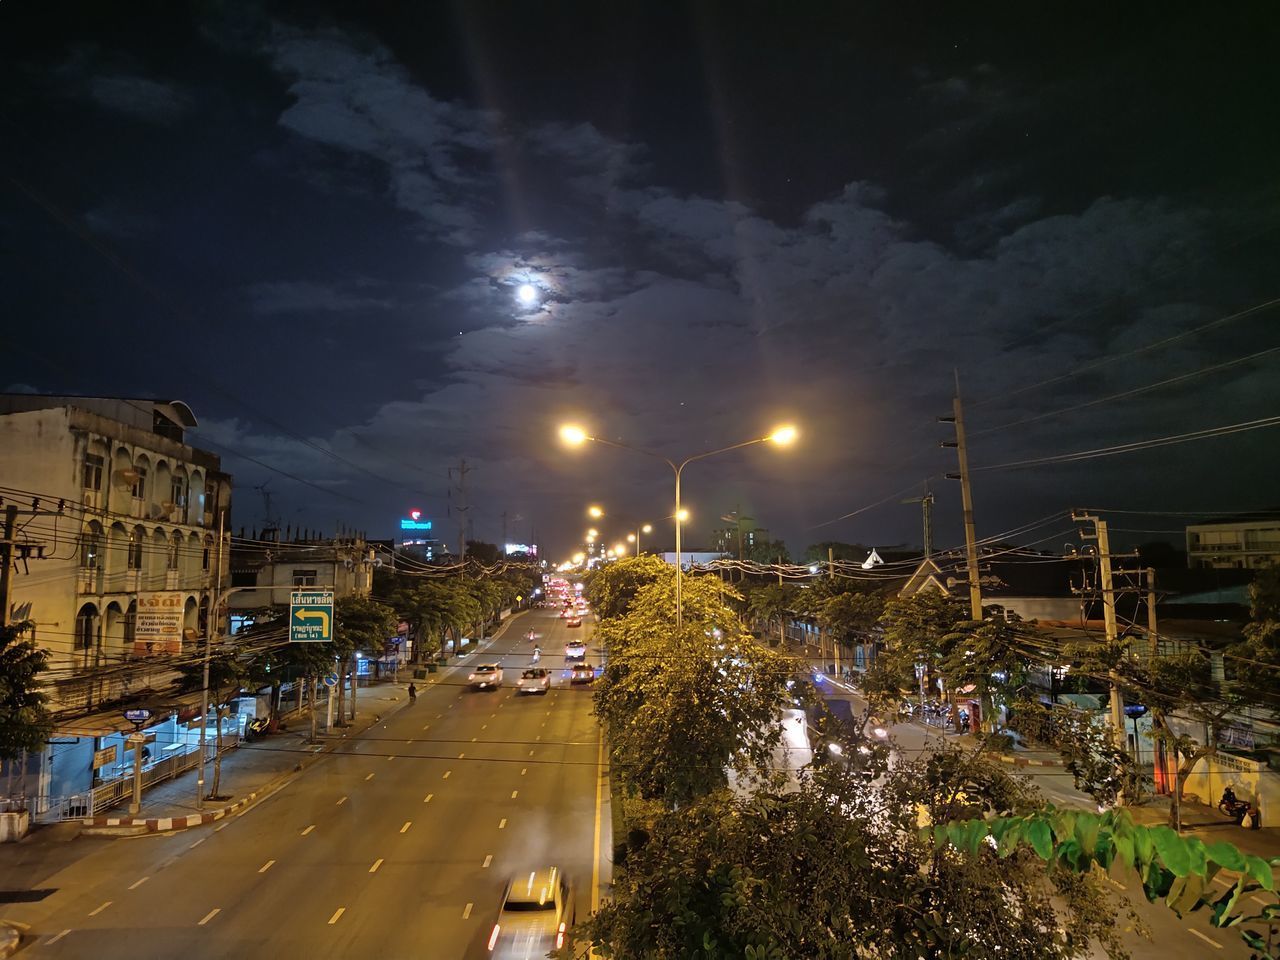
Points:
x=1225, y=883
x=94, y=913
x=137, y=883
x=376, y=864
x=538, y=737
x=427, y=727
x=461, y=755
x=336, y=914
x=466, y=911
x=487, y=860
x=407, y=825
x=514, y=794
x=531, y=753
x=308, y=830
x=391, y=756
x=266, y=866
x=502, y=824
x=427, y=798
x=484, y=726
x=369, y=777
x=446, y=775
x=209, y=916
x=411, y=740
x=492, y=715
x=1213, y=943
x=56, y=937
x=196, y=844
x=523, y=771
x=342, y=801
x=438, y=716
x=473, y=739
x=1259, y=900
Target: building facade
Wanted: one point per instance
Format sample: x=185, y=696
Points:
x=1248, y=544
x=118, y=520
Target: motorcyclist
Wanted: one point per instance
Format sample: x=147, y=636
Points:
x=537, y=654
x=413, y=693
x=1228, y=798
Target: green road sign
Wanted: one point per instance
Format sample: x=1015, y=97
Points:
x=310, y=616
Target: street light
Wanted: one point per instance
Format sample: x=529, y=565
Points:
x=594, y=512
x=574, y=435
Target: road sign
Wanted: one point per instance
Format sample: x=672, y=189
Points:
x=138, y=716
x=331, y=680
x=311, y=616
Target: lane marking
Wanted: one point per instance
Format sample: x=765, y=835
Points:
x=336, y=914
x=196, y=844
x=438, y=716
x=461, y=755
x=369, y=777
x=1259, y=900
x=410, y=740
x=308, y=830
x=137, y=883
x=473, y=739
x=1213, y=943
x=342, y=801
x=376, y=864
x=466, y=911
x=427, y=798
x=531, y=753
x=502, y=824
x=209, y=916
x=266, y=866
x=94, y=913
x=595, y=843
x=484, y=726
x=492, y=715
x=1225, y=883
x=446, y=775
x=222, y=826
x=514, y=794
x=56, y=937
x=407, y=825
x=538, y=737
x=427, y=727
x=391, y=756
x=523, y=771
x=487, y=860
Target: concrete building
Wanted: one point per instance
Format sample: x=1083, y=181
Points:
x=117, y=525
x=1248, y=543
x=265, y=572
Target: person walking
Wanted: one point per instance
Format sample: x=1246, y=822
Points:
x=413, y=693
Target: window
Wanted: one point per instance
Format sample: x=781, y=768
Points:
x=131, y=626
x=204, y=556
x=304, y=578
x=86, y=627
x=140, y=485
x=135, y=548
x=92, y=473
x=178, y=492
x=90, y=549
x=175, y=548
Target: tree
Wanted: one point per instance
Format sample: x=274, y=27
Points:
x=360, y=625
x=680, y=710
x=768, y=551
x=916, y=629
x=612, y=587
x=850, y=616
x=849, y=552
x=25, y=723
x=837, y=870
x=1089, y=752
x=987, y=658
x=772, y=602
x=487, y=554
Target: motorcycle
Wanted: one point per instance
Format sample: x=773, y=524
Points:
x=537, y=654
x=1229, y=806
x=255, y=728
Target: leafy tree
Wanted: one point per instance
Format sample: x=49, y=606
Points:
x=849, y=617
x=360, y=625
x=680, y=710
x=484, y=553
x=771, y=602
x=1089, y=752
x=611, y=588
x=768, y=551
x=836, y=870
x=989, y=657
x=848, y=552
x=25, y=723
x=916, y=631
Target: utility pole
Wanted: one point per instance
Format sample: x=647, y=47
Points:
x=1108, y=613
x=210, y=629
x=966, y=499
x=1153, y=636
x=6, y=551
x=504, y=533
x=463, y=507
x=926, y=506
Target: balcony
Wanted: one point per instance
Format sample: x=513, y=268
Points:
x=89, y=580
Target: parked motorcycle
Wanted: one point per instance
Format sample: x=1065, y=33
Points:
x=256, y=728
x=1231, y=807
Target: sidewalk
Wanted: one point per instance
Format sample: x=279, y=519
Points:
x=250, y=770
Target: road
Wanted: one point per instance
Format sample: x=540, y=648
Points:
x=396, y=846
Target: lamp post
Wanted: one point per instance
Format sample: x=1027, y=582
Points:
x=596, y=512
x=575, y=436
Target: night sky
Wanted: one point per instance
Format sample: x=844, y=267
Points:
x=309, y=221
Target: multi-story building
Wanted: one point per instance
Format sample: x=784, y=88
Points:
x=118, y=518
x=1249, y=543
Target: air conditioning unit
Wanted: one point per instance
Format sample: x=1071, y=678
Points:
x=127, y=477
x=92, y=500
x=158, y=512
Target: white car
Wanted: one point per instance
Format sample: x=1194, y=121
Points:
x=534, y=680
x=575, y=650
x=536, y=914
x=486, y=676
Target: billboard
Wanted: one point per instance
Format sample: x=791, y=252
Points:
x=158, y=627
x=528, y=548
x=414, y=521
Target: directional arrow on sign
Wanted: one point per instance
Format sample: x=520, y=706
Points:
x=315, y=615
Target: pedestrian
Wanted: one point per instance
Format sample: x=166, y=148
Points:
x=413, y=693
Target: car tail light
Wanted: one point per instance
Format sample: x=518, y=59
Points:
x=493, y=937
x=560, y=936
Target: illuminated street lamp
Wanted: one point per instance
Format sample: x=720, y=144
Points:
x=594, y=512
x=575, y=436
x=579, y=557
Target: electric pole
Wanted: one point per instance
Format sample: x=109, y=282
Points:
x=6, y=552
x=1108, y=612
x=966, y=499
x=463, y=507
x=926, y=508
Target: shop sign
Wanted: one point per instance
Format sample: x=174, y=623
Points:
x=158, y=627
x=104, y=756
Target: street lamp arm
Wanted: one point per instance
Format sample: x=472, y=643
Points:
x=712, y=453
x=626, y=446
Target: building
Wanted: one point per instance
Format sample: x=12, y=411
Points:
x=265, y=572
x=1248, y=542
x=740, y=539
x=117, y=520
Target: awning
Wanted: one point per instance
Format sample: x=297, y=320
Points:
x=103, y=723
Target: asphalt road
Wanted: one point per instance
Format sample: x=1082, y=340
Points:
x=396, y=846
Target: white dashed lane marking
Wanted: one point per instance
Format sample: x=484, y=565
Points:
x=446, y=775
x=56, y=937
x=502, y=824
x=466, y=911
x=376, y=864
x=407, y=825
x=266, y=866
x=308, y=830
x=427, y=798
x=137, y=883
x=340, y=803
x=514, y=794
x=94, y=913
x=212, y=913
x=487, y=860
x=336, y=914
